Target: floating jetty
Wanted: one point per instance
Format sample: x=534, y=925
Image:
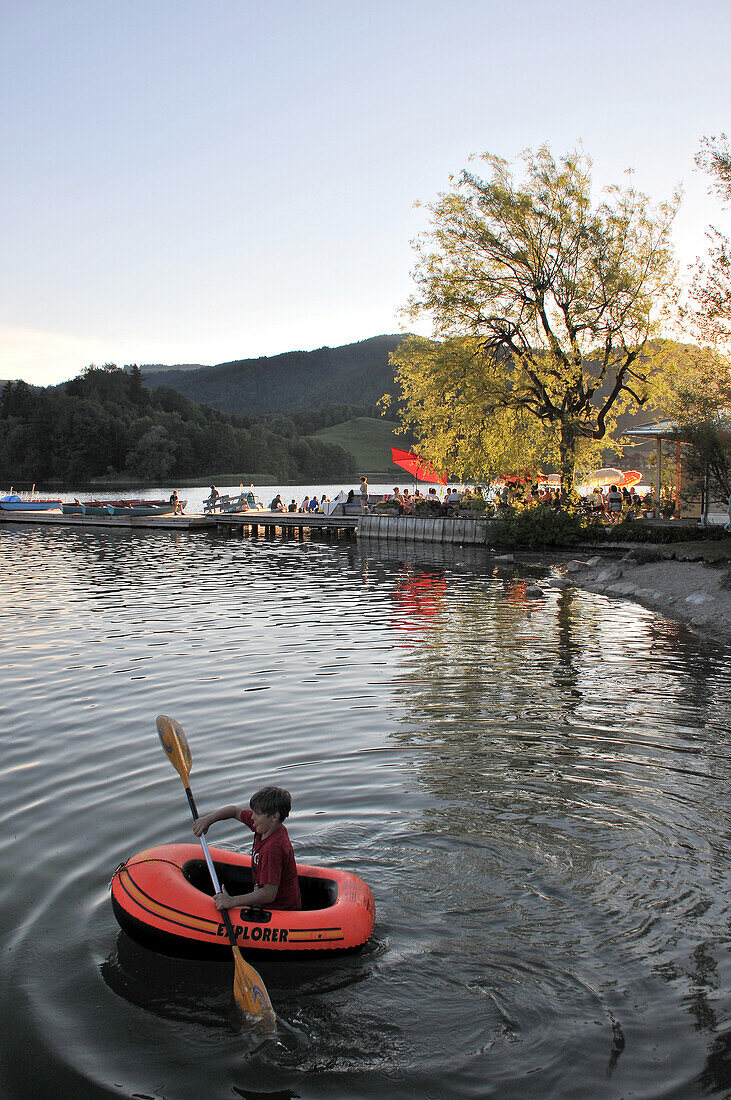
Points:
x=57, y=518
x=450, y=529
x=442, y=529
x=284, y=524
x=288, y=524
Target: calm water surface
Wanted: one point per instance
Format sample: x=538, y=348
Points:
x=537, y=792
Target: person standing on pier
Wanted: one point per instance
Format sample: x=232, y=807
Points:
x=364, y=494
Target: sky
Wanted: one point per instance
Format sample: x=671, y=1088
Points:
x=189, y=182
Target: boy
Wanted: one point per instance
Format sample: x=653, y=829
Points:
x=272, y=859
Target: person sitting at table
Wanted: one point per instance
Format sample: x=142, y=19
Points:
x=407, y=501
x=597, y=500
x=614, y=504
x=452, y=499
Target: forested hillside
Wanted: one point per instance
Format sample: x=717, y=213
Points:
x=106, y=422
x=355, y=374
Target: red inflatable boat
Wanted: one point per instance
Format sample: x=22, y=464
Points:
x=162, y=898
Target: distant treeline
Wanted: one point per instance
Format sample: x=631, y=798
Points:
x=106, y=422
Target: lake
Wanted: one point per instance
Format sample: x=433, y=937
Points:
x=536, y=791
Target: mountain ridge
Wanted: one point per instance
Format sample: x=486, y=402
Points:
x=351, y=374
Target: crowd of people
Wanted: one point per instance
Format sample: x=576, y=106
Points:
x=612, y=503
x=309, y=504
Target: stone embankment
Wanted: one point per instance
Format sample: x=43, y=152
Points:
x=694, y=592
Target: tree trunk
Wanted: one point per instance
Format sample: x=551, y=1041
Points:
x=567, y=452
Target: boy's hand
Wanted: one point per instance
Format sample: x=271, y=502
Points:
x=201, y=825
x=222, y=900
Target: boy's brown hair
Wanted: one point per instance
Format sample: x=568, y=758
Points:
x=272, y=800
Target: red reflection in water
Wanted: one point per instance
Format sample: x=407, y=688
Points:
x=516, y=594
x=417, y=598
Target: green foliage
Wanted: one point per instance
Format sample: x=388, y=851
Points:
x=710, y=307
x=426, y=506
x=104, y=423
x=696, y=394
x=546, y=304
x=542, y=526
x=387, y=507
x=629, y=531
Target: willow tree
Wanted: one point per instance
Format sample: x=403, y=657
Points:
x=545, y=303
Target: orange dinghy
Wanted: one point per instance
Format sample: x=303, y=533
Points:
x=162, y=898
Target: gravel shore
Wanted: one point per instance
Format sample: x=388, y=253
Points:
x=694, y=592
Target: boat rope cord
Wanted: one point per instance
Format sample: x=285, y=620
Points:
x=137, y=862
x=154, y=859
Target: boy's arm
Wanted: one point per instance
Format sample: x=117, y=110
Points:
x=264, y=895
x=202, y=824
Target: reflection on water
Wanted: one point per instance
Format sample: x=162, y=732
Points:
x=535, y=788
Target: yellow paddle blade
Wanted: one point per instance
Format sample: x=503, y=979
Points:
x=250, y=991
x=175, y=743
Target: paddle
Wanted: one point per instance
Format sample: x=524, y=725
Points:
x=249, y=990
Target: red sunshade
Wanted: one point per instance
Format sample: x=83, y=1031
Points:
x=631, y=477
x=416, y=466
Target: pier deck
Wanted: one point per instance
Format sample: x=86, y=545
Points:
x=57, y=518
x=289, y=523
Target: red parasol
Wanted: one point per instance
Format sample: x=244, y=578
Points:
x=416, y=466
x=631, y=477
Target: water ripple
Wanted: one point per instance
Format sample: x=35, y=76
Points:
x=539, y=804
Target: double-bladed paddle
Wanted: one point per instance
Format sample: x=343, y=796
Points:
x=249, y=990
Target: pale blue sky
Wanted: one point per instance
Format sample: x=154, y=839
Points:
x=199, y=182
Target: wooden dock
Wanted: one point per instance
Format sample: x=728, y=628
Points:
x=449, y=529
x=287, y=524
x=57, y=518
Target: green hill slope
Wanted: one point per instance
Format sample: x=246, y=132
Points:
x=369, y=441
x=355, y=374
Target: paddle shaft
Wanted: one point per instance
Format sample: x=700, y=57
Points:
x=211, y=868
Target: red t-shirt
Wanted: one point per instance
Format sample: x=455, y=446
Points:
x=272, y=863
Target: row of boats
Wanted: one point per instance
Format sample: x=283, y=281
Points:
x=14, y=502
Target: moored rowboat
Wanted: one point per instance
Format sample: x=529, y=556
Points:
x=162, y=899
x=121, y=508
x=14, y=503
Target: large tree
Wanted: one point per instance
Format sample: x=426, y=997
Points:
x=545, y=301
x=696, y=393
x=710, y=308
x=698, y=396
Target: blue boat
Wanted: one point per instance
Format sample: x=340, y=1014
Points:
x=14, y=503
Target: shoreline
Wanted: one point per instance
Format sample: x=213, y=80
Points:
x=695, y=593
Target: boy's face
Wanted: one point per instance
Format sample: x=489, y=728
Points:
x=264, y=824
